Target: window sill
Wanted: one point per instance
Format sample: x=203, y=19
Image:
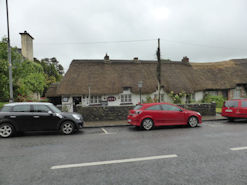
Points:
x=126, y=103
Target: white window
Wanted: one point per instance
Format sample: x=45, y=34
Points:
x=95, y=99
x=237, y=92
x=162, y=97
x=126, y=98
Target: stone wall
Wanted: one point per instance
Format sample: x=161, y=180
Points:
x=206, y=109
x=121, y=112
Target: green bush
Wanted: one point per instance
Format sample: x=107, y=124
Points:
x=219, y=100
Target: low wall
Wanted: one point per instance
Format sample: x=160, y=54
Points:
x=120, y=112
x=205, y=109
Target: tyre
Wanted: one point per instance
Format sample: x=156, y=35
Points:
x=147, y=124
x=193, y=121
x=6, y=130
x=67, y=127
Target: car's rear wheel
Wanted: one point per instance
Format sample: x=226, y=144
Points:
x=67, y=128
x=193, y=121
x=6, y=130
x=147, y=124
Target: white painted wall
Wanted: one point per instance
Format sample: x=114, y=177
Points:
x=68, y=104
x=199, y=96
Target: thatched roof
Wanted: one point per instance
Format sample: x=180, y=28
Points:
x=111, y=78
x=52, y=90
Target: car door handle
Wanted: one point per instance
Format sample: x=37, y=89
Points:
x=36, y=116
x=12, y=116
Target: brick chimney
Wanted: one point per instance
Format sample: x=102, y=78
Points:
x=27, y=45
x=135, y=59
x=106, y=58
x=185, y=59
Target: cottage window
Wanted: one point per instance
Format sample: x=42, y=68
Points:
x=237, y=92
x=162, y=97
x=95, y=99
x=126, y=98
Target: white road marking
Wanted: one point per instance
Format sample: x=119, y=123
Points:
x=239, y=148
x=113, y=162
x=213, y=125
x=106, y=132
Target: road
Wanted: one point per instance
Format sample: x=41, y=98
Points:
x=213, y=153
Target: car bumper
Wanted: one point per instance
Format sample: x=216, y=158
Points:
x=133, y=121
x=80, y=124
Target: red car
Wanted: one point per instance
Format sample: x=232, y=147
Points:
x=149, y=115
x=233, y=109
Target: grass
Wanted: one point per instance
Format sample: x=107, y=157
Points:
x=218, y=110
x=2, y=104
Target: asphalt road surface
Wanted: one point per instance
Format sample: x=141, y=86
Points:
x=213, y=153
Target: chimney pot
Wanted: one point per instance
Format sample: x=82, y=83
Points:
x=135, y=59
x=106, y=58
x=185, y=59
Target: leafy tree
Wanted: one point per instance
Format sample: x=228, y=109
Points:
x=52, y=69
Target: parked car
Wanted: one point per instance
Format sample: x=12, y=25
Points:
x=149, y=115
x=233, y=109
x=19, y=117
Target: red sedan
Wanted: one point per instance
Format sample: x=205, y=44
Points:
x=149, y=115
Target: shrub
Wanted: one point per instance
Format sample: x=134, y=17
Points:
x=177, y=97
x=219, y=100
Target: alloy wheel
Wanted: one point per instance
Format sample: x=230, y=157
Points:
x=193, y=121
x=147, y=124
x=5, y=130
x=67, y=128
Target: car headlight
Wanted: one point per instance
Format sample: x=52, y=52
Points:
x=59, y=115
x=199, y=113
x=76, y=116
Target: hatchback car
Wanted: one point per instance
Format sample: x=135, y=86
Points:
x=21, y=117
x=233, y=109
x=157, y=114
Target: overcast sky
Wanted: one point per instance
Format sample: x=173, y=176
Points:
x=203, y=30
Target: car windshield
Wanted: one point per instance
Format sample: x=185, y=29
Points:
x=138, y=107
x=231, y=104
x=54, y=109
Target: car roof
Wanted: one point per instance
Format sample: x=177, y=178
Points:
x=27, y=103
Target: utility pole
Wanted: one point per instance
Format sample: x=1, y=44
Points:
x=11, y=99
x=158, y=69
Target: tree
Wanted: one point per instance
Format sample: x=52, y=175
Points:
x=52, y=69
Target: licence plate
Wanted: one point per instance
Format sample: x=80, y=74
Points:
x=228, y=110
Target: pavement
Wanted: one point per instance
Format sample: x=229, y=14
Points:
x=217, y=117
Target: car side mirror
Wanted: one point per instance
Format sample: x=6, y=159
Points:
x=49, y=112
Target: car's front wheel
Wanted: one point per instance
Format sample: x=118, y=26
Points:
x=67, y=127
x=193, y=121
x=147, y=124
x=6, y=130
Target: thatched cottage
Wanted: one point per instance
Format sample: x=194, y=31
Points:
x=115, y=82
